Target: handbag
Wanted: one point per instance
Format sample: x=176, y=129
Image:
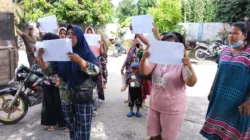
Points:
x=82, y=95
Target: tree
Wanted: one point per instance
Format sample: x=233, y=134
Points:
x=144, y=5
x=126, y=9
x=210, y=11
x=70, y=11
x=167, y=14
x=232, y=11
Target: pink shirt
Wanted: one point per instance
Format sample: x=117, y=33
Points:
x=168, y=88
x=96, y=50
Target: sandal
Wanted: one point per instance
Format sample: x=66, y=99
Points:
x=52, y=128
x=66, y=130
x=130, y=114
x=138, y=114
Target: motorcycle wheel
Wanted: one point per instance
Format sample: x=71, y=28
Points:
x=200, y=55
x=19, y=108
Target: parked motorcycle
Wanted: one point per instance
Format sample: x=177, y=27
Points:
x=118, y=49
x=203, y=51
x=15, y=101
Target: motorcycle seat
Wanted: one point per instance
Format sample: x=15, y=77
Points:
x=7, y=90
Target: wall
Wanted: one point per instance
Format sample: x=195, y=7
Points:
x=8, y=53
x=203, y=31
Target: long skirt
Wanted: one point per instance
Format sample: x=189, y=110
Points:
x=104, y=62
x=78, y=120
x=51, y=107
x=100, y=80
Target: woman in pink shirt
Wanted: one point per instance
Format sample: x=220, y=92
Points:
x=168, y=103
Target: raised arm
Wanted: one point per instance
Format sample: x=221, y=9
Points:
x=143, y=39
x=143, y=67
x=19, y=32
x=156, y=32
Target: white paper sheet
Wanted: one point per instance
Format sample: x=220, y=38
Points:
x=38, y=45
x=142, y=24
x=56, y=50
x=93, y=39
x=48, y=24
x=162, y=52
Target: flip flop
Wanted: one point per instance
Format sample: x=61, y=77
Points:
x=130, y=114
x=52, y=128
x=66, y=130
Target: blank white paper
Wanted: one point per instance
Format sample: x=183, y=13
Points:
x=48, y=24
x=162, y=52
x=142, y=24
x=93, y=39
x=57, y=50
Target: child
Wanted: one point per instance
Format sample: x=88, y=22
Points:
x=134, y=82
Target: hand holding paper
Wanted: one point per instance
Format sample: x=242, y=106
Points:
x=162, y=52
x=37, y=47
x=57, y=50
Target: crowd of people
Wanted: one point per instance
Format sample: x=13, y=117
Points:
x=69, y=101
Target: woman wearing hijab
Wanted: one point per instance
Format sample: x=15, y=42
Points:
x=104, y=56
x=51, y=105
x=77, y=79
x=62, y=32
x=97, y=50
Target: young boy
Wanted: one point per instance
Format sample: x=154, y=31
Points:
x=134, y=80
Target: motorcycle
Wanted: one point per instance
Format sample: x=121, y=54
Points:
x=118, y=49
x=203, y=51
x=16, y=100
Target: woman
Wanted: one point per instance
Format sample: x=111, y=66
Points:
x=51, y=104
x=76, y=76
x=229, y=107
x=62, y=32
x=167, y=104
x=104, y=56
x=97, y=50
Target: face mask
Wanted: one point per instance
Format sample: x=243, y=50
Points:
x=137, y=45
x=236, y=45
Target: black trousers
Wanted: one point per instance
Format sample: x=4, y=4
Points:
x=51, y=107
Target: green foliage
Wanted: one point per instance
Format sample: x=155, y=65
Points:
x=144, y=5
x=210, y=10
x=127, y=8
x=199, y=10
x=233, y=10
x=121, y=25
x=215, y=10
x=167, y=14
x=70, y=11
